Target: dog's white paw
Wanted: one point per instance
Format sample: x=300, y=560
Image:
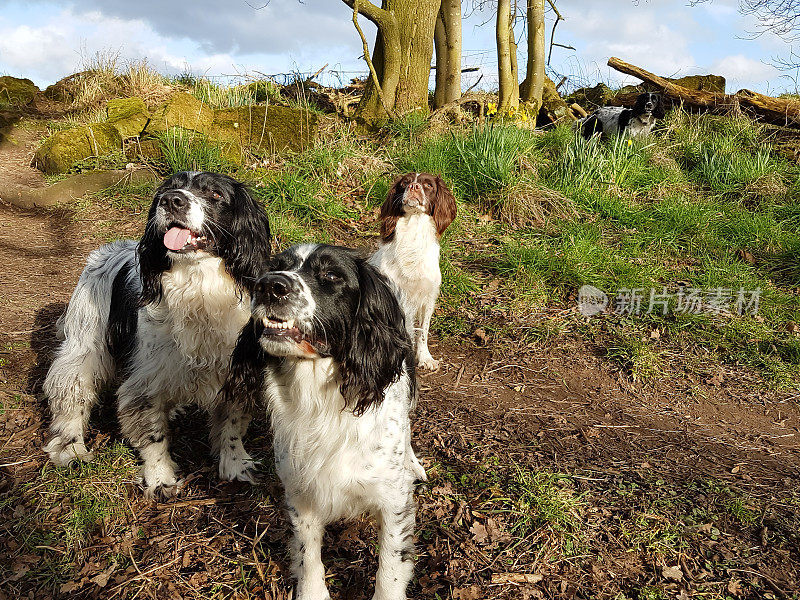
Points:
x=163, y=491
x=64, y=452
x=413, y=465
x=428, y=362
x=237, y=465
x=159, y=479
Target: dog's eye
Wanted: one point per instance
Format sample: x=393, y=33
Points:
x=427, y=184
x=216, y=195
x=329, y=276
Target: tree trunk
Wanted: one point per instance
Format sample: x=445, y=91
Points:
x=531, y=89
x=512, y=43
x=778, y=111
x=401, y=57
x=447, y=40
x=505, y=67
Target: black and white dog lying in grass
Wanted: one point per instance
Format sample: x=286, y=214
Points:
x=609, y=121
x=160, y=317
x=328, y=352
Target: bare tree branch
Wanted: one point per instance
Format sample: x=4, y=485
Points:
x=781, y=17
x=366, y=55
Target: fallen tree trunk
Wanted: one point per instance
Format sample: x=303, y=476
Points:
x=778, y=111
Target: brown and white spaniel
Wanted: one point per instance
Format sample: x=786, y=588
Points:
x=415, y=214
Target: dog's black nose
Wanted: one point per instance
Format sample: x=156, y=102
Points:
x=173, y=200
x=273, y=286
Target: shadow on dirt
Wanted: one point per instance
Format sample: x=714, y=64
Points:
x=43, y=342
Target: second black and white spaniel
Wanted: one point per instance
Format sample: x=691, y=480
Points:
x=328, y=353
x=160, y=318
x=609, y=121
x=416, y=212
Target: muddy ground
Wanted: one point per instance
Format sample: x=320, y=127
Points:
x=552, y=474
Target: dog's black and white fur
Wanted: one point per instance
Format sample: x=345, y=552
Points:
x=609, y=121
x=328, y=352
x=161, y=318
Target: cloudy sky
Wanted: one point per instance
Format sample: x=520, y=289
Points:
x=48, y=39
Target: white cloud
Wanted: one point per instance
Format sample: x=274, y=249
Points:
x=44, y=39
x=25, y=49
x=55, y=45
x=742, y=71
x=645, y=35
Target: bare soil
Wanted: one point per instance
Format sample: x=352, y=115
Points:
x=491, y=412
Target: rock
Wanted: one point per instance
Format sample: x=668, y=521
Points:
x=629, y=89
x=707, y=83
x=265, y=128
x=181, y=110
x=591, y=97
x=65, y=148
x=128, y=115
x=148, y=149
x=553, y=106
x=16, y=92
x=74, y=186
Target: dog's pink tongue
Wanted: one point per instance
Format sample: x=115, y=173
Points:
x=175, y=238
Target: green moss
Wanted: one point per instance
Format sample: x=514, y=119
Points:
x=591, y=97
x=128, y=115
x=181, y=110
x=552, y=103
x=16, y=92
x=265, y=129
x=62, y=150
x=708, y=83
x=147, y=150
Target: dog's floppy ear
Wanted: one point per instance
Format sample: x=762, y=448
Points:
x=376, y=345
x=591, y=126
x=246, y=250
x=659, y=111
x=443, y=210
x=391, y=210
x=243, y=386
x=153, y=259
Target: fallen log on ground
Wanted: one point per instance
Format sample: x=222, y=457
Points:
x=778, y=111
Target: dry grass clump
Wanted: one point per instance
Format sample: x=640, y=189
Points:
x=769, y=185
x=140, y=80
x=529, y=203
x=104, y=77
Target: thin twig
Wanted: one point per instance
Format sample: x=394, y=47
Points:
x=369, y=60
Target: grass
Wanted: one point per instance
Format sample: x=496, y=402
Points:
x=218, y=96
x=185, y=150
x=704, y=203
x=548, y=499
x=65, y=508
x=104, y=76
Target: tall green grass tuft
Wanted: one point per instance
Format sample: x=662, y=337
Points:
x=476, y=163
x=185, y=150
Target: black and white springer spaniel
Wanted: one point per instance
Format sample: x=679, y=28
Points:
x=416, y=212
x=160, y=317
x=328, y=352
x=609, y=121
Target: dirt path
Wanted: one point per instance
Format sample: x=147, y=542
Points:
x=19, y=138
x=558, y=409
